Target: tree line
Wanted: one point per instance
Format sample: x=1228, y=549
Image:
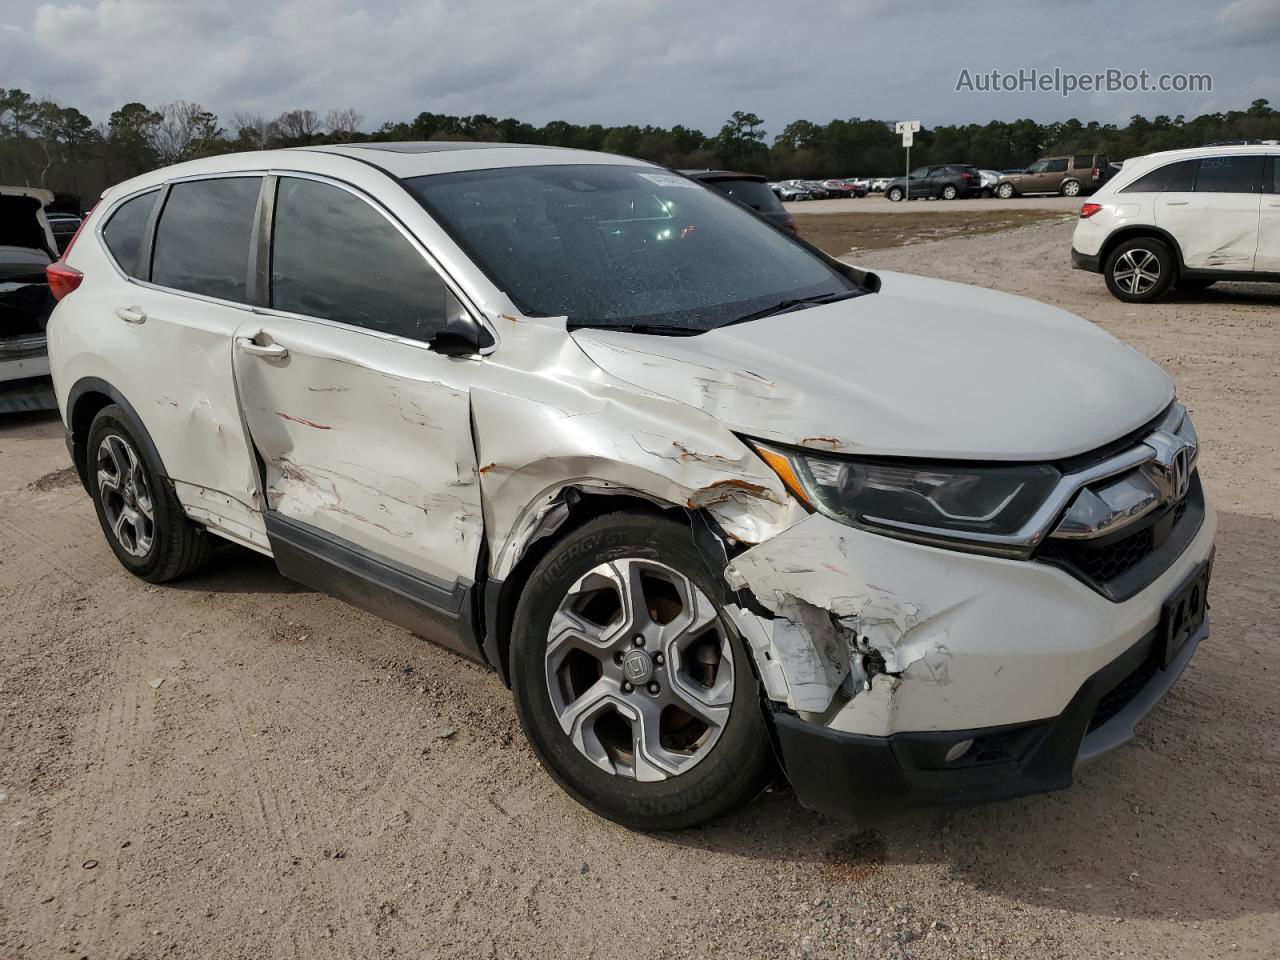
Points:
x=43, y=143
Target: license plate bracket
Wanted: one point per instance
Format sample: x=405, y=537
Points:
x=1183, y=613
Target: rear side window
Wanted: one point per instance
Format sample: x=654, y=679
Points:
x=1230, y=175
x=125, y=230
x=754, y=194
x=1174, y=177
x=1056, y=166
x=334, y=256
x=204, y=235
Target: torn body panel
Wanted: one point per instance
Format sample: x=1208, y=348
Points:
x=878, y=636
x=366, y=439
x=548, y=419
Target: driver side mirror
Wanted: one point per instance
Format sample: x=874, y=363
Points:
x=461, y=340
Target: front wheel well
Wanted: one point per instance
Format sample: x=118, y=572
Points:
x=502, y=596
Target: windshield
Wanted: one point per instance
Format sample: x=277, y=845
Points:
x=623, y=247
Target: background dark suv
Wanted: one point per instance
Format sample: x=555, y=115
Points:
x=946, y=180
x=747, y=188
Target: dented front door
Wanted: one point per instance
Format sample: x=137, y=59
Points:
x=365, y=441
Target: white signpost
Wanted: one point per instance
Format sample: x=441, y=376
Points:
x=908, y=129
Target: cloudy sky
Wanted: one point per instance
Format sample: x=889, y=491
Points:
x=633, y=61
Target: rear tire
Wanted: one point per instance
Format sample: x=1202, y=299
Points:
x=1071, y=188
x=949, y=192
x=1140, y=270
x=137, y=508
x=628, y=751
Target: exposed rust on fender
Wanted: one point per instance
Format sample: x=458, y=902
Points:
x=728, y=489
x=486, y=468
x=831, y=442
x=303, y=420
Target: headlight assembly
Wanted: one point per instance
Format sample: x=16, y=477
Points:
x=924, y=497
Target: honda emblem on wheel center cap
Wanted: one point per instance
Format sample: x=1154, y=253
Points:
x=637, y=667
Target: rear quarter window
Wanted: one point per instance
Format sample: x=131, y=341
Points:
x=1175, y=177
x=124, y=232
x=203, y=237
x=1056, y=166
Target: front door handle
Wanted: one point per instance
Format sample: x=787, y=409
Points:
x=1176, y=203
x=131, y=314
x=272, y=351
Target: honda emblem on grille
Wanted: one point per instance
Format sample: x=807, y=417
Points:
x=1180, y=473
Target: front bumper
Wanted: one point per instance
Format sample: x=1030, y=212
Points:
x=847, y=775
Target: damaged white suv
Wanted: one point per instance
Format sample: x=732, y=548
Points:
x=707, y=499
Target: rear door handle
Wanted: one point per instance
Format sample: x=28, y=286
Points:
x=131, y=314
x=1176, y=203
x=272, y=351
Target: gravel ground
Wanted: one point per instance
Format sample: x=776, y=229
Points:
x=876, y=203
x=236, y=767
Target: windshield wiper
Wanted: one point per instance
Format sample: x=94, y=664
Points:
x=794, y=303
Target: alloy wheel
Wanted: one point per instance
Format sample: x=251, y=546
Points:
x=126, y=499
x=1136, y=271
x=639, y=669
x=1071, y=189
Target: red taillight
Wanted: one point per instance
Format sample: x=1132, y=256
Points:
x=62, y=278
x=1089, y=209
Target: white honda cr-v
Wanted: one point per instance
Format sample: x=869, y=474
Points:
x=1184, y=219
x=707, y=499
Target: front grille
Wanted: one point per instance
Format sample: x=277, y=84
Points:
x=1120, y=566
x=1119, y=696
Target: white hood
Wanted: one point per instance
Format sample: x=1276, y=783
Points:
x=924, y=368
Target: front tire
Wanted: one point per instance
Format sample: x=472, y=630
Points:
x=893, y=194
x=1005, y=191
x=1140, y=270
x=137, y=508
x=634, y=691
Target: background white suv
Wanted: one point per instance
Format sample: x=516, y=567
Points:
x=1185, y=218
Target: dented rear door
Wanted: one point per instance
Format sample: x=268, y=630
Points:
x=362, y=431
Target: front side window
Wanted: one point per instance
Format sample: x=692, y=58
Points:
x=334, y=256
x=919, y=173
x=126, y=229
x=204, y=235
x=1038, y=167
x=1230, y=174
x=623, y=247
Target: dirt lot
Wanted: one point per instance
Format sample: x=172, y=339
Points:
x=235, y=767
x=853, y=234
x=876, y=203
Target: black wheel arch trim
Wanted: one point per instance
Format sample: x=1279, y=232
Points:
x=77, y=442
x=1135, y=232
